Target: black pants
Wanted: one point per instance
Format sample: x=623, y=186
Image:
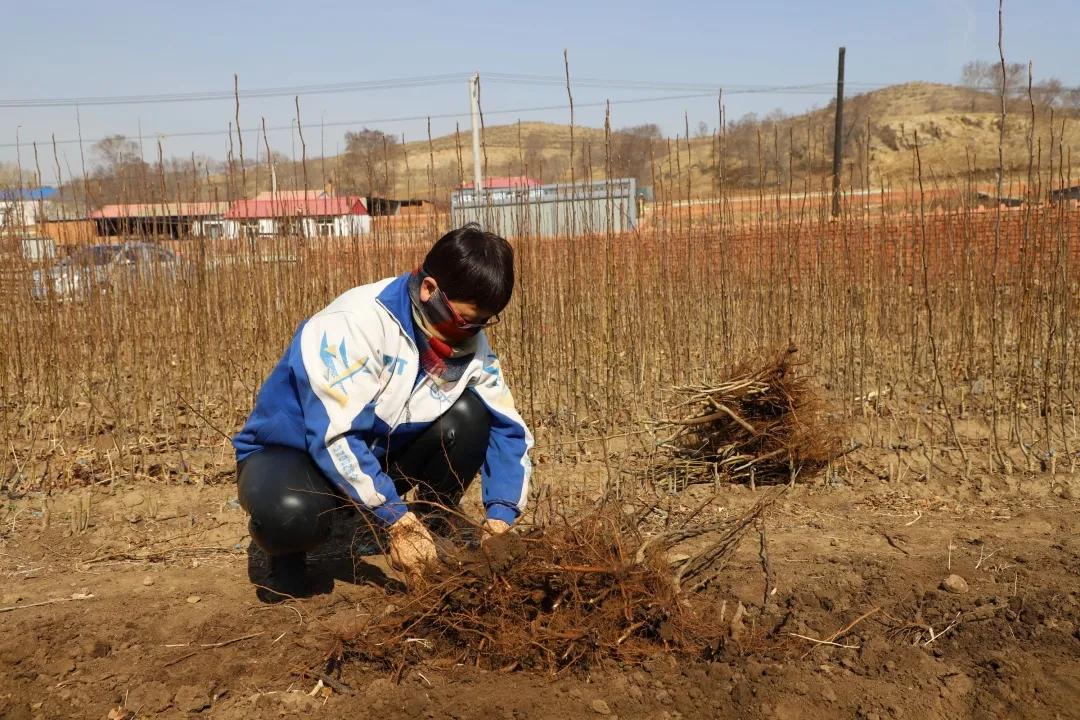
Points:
x=290, y=501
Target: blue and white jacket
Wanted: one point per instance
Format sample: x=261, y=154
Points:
x=350, y=385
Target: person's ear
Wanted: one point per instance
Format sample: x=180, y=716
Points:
x=427, y=287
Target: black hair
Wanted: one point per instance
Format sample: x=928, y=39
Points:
x=474, y=266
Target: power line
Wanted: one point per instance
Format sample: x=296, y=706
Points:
x=203, y=96
x=385, y=120
x=732, y=88
x=399, y=83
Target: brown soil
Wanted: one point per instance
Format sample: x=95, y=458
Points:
x=167, y=624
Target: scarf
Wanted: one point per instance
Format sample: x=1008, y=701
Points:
x=437, y=357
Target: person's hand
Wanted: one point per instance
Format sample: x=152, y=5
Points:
x=412, y=548
x=492, y=529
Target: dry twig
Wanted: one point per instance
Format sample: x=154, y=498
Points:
x=76, y=596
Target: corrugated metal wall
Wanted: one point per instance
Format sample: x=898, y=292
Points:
x=547, y=210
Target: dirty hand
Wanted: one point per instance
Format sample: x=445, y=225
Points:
x=493, y=528
x=412, y=548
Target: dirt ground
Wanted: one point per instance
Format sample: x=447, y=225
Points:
x=144, y=601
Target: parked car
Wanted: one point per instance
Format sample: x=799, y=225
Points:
x=98, y=267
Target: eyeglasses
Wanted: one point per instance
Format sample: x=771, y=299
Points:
x=459, y=321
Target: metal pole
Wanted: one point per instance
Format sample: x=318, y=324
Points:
x=838, y=138
x=474, y=96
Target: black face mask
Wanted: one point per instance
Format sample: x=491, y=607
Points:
x=441, y=317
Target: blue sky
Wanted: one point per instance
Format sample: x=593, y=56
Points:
x=77, y=49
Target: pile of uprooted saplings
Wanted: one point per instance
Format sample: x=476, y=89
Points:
x=602, y=585
x=762, y=425
x=570, y=594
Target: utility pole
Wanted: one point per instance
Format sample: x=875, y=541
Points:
x=838, y=138
x=474, y=96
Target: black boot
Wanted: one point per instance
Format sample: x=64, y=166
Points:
x=287, y=578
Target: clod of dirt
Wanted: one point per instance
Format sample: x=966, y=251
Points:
x=192, y=599
x=379, y=687
x=191, y=699
x=874, y=651
x=96, y=648
x=503, y=551
x=958, y=684
x=289, y=704
x=148, y=581
x=61, y=667
x=150, y=697
x=600, y=707
x=954, y=584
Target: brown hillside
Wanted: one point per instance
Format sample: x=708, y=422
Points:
x=957, y=130
x=541, y=150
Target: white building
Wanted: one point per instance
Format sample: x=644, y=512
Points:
x=23, y=208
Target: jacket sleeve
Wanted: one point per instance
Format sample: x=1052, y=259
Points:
x=507, y=469
x=338, y=367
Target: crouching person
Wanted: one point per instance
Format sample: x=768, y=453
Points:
x=392, y=387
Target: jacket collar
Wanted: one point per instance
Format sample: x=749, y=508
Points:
x=395, y=298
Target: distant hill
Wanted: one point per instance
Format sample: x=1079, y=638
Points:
x=538, y=149
x=957, y=129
